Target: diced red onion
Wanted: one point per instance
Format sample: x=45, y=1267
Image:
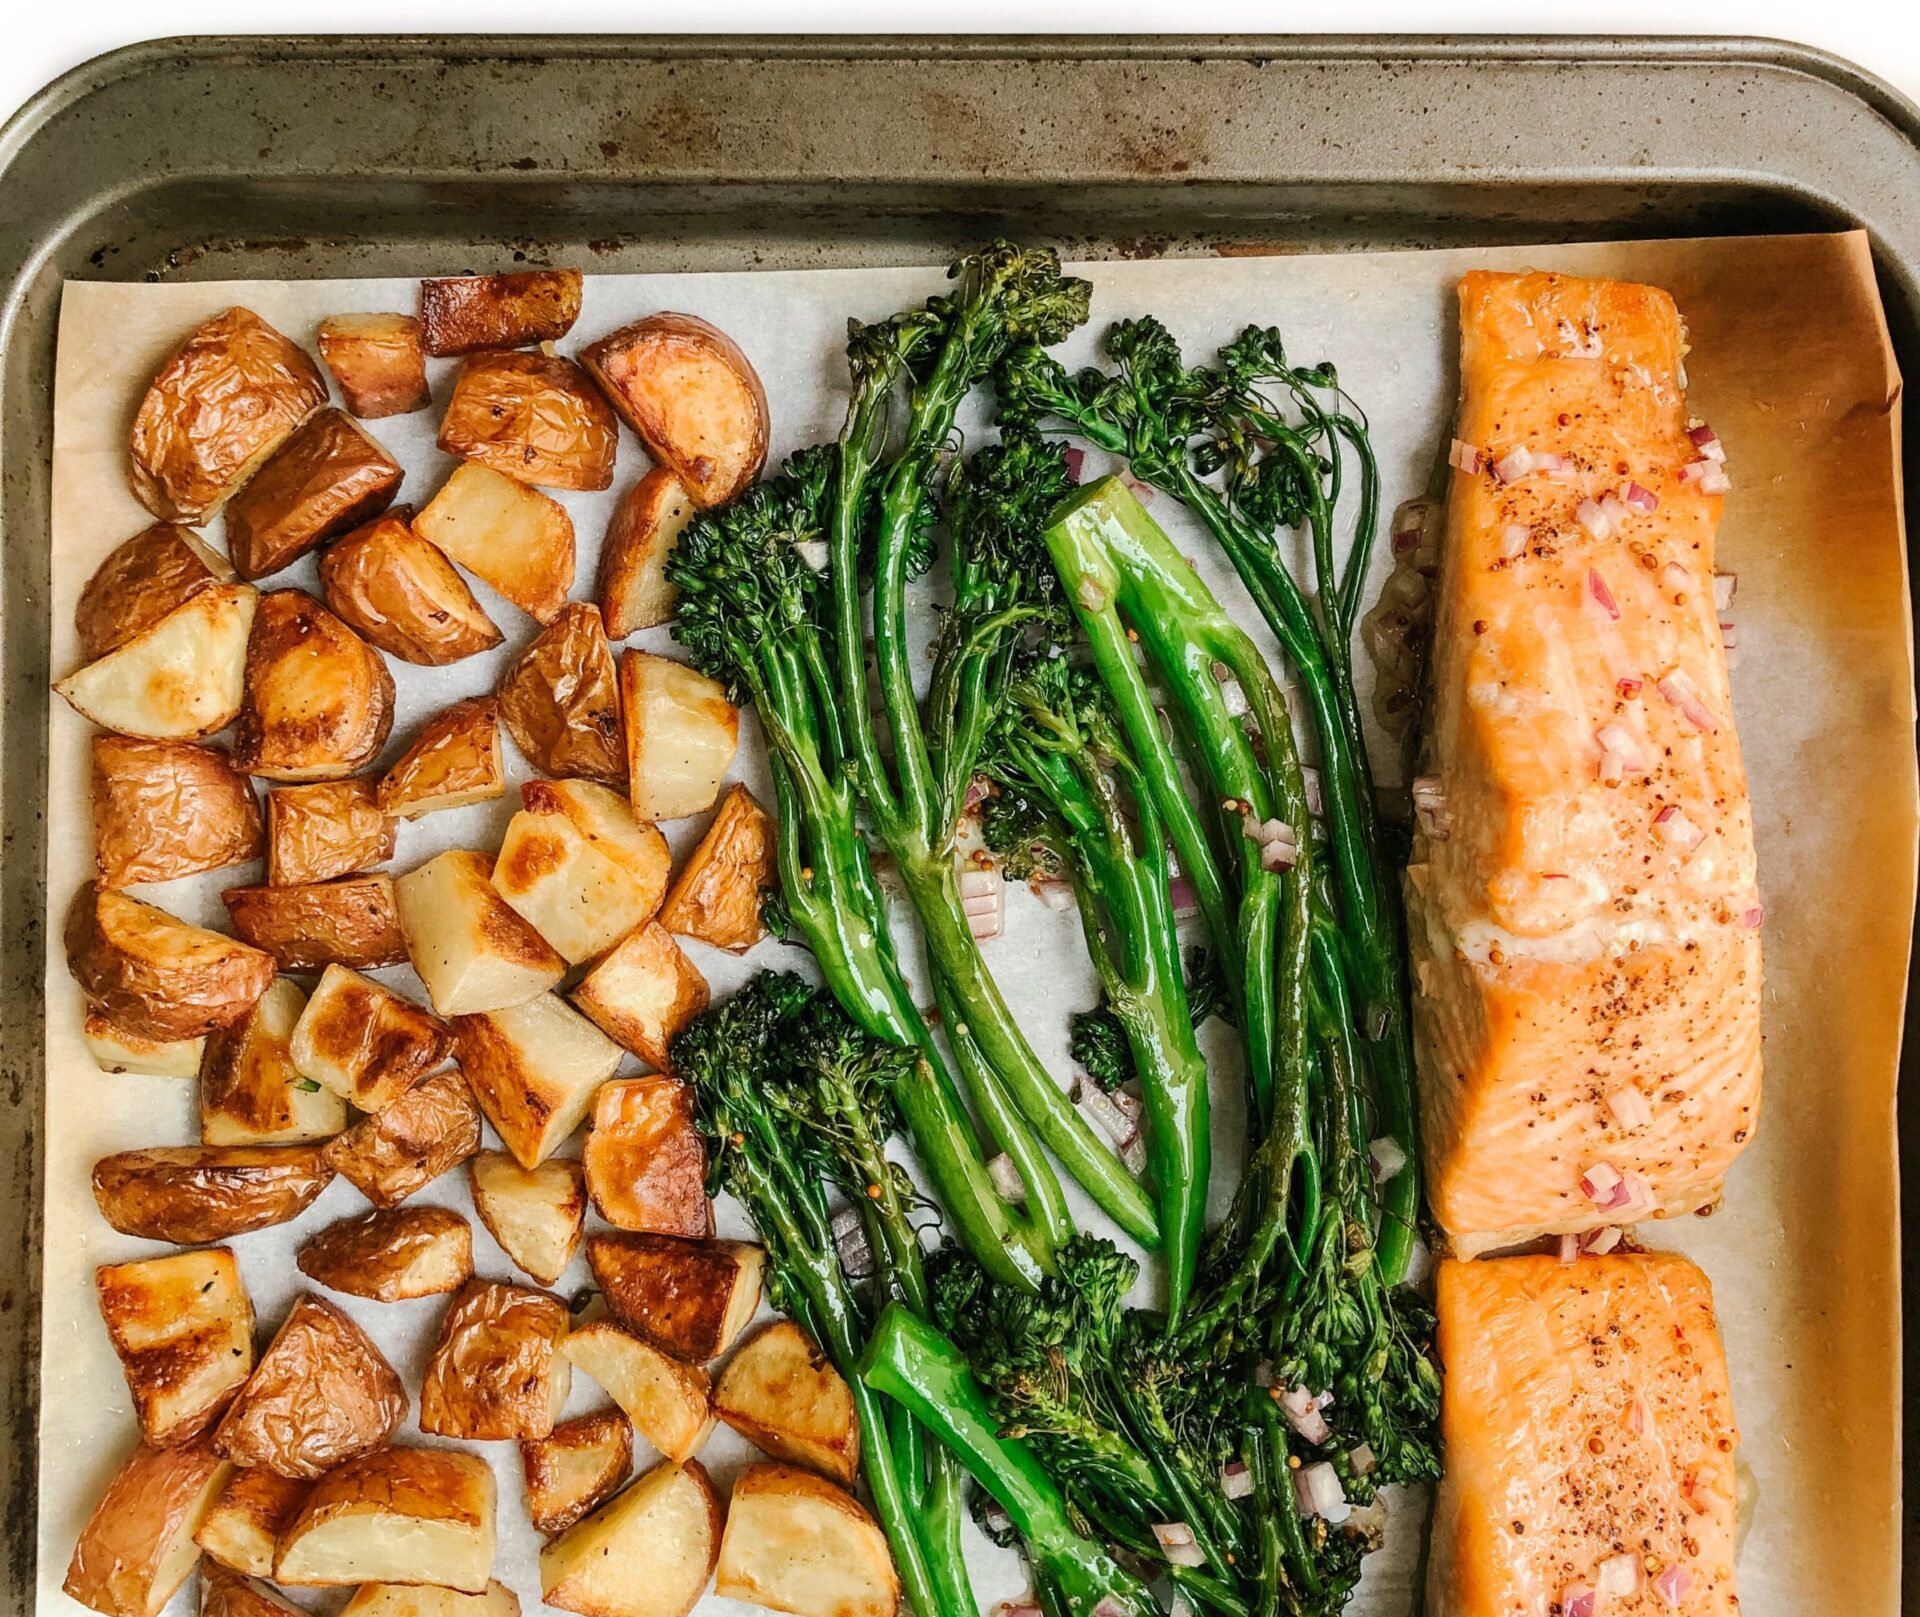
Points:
x=1617, y=1575
x=1707, y=441
x=1430, y=807
x=850, y=1242
x=1729, y=635
x=1143, y=492
x=1513, y=465
x=1184, y=899
x=1090, y=595
x=1231, y=695
x=1409, y=525
x=1591, y=517
x=1598, y=1243
x=1602, y=596
x=1724, y=584
x=1569, y=1248
x=1236, y=1481
x=1110, y=1606
x=1101, y=1109
x=1316, y=802
x=1056, y=894
x=979, y=789
x=983, y=897
x=1752, y=916
x=1641, y=499
x=1677, y=686
x=1600, y=1184
x=1317, y=1489
x=1302, y=1410
x=1630, y=1107
x=1279, y=845
x=1676, y=578
x=1578, y=1600
x=1465, y=457
x=813, y=552
x=1010, y=1608
x=1177, y=1544
x=1672, y=1585
x=1620, y=754
x=1513, y=541
x=1388, y=1157
x=1362, y=1459
x=1628, y=686
x=1708, y=475
x=1551, y=464
x=1076, y=459
x=1006, y=1178
x=1676, y=830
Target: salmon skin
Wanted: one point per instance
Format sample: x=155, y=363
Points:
x=1589, y=1438
x=1583, y=910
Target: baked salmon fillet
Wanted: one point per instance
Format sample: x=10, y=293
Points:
x=1589, y=1441
x=1583, y=912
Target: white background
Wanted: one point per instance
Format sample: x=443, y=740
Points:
x=44, y=38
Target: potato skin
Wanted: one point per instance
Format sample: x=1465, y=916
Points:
x=155, y=1496
x=327, y=478
x=348, y=922
x=536, y=417
x=378, y=362
x=463, y=313
x=685, y=1297
x=374, y=1255
x=646, y=1163
x=561, y=701
x=195, y=1194
x=163, y=809
x=319, y=699
x=321, y=1394
x=401, y=593
x=496, y=1368
x=719, y=894
x=225, y=399
x=634, y=594
x=326, y=829
x=693, y=397
x=433, y=1127
x=439, y=1486
x=179, y=679
x=249, y=1514
x=642, y=992
x=140, y=582
x=780, y=1393
x=560, y=1487
x=153, y=974
x=453, y=761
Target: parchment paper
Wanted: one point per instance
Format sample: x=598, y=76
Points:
x=1790, y=362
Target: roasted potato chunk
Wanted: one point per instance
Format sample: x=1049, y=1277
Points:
x=350, y=921
x=227, y=1594
x=721, y=888
x=536, y=1214
x=219, y=405
x=391, y=1254
x=329, y=477
x=561, y=701
x=646, y=1163
x=402, y=1515
x=247, y=1519
x=400, y=592
x=780, y=1393
x=183, y=1327
x=331, y=828
x=363, y=1041
x=251, y=1093
x=688, y=1298
x=165, y=809
x=137, y=1547
x=453, y=761
x=796, y=1543
x=319, y=700
x=643, y=992
x=665, y=1399
x=378, y=361
x=496, y=1370
x=462, y=314
x=178, y=679
x=115, y=1050
x=534, y=1068
x=433, y=1127
x=321, y=1395
x=189, y=1194
x=575, y=1466
x=424, y=1600
x=154, y=976
x=578, y=867
x=633, y=587
x=681, y=736
x=159, y=568
x=537, y=417
x=506, y=534
x=647, y=1552
x=693, y=397
x=470, y=948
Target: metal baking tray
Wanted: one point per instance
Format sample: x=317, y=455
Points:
x=220, y=159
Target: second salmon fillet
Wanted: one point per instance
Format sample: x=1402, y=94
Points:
x=1583, y=903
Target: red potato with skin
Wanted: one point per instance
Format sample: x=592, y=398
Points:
x=166, y=809
x=378, y=362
